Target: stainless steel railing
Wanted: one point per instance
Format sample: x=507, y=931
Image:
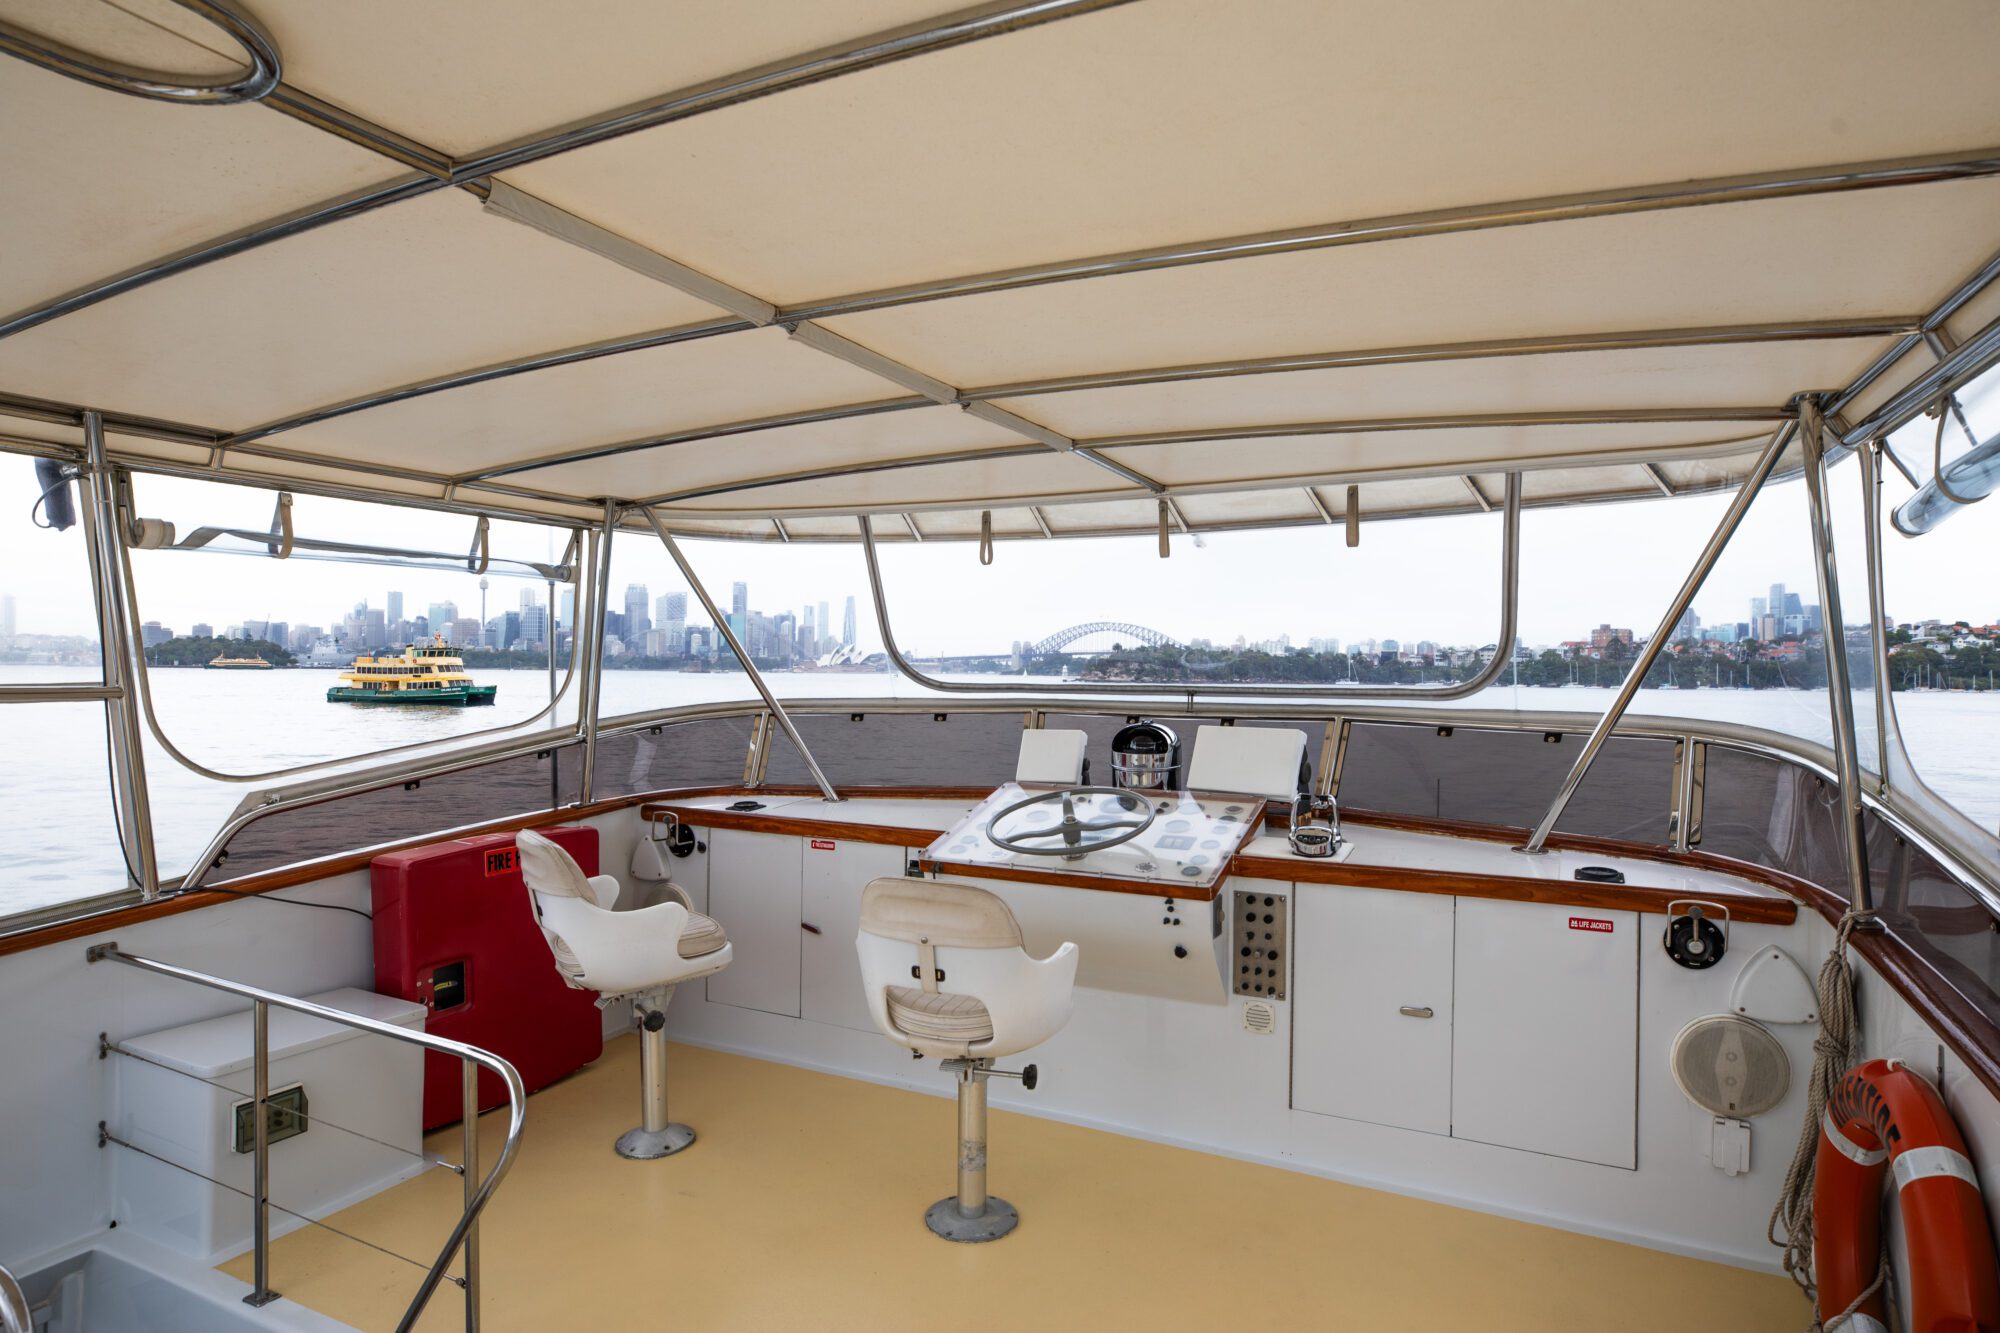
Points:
x=478, y=1192
x=16, y=1315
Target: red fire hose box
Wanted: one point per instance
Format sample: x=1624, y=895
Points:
x=454, y=931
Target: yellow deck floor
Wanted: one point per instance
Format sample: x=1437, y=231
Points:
x=801, y=1207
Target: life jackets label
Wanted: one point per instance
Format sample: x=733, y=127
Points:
x=823, y=844
x=1597, y=924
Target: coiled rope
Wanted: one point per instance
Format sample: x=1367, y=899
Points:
x=1836, y=1050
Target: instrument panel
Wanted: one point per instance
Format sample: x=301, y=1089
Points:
x=1188, y=844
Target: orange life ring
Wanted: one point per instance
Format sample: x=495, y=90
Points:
x=1885, y=1118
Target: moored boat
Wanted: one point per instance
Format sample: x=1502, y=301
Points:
x=221, y=663
x=423, y=673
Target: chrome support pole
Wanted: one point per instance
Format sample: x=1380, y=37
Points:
x=260, y=1166
x=1833, y=638
x=653, y=1080
x=721, y=622
x=550, y=642
x=1888, y=739
x=591, y=644
x=971, y=1142
x=469, y=1093
x=1705, y=562
x=104, y=536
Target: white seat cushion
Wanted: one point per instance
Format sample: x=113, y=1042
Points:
x=703, y=935
x=939, y=1015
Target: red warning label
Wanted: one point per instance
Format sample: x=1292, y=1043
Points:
x=1590, y=923
x=823, y=844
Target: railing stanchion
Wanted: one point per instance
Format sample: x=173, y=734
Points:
x=469, y=1077
x=260, y=1223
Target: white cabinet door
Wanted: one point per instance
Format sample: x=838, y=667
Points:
x=754, y=891
x=1372, y=1005
x=836, y=871
x=1547, y=1043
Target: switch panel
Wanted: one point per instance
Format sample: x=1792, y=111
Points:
x=1259, y=946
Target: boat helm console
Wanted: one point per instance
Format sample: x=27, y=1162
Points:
x=1170, y=838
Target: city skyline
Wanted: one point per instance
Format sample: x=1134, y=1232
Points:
x=1419, y=579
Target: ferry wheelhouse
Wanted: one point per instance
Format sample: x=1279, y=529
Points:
x=1115, y=360
x=423, y=673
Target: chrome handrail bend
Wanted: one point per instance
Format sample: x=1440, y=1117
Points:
x=466, y=1232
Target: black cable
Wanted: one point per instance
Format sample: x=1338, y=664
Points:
x=295, y=902
x=43, y=499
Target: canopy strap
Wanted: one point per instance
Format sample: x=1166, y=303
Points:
x=281, y=527
x=1166, y=547
x=481, y=554
x=986, y=537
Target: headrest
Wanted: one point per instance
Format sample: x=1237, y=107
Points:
x=1051, y=755
x=1253, y=761
x=547, y=868
x=952, y=916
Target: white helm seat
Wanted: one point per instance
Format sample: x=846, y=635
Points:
x=642, y=954
x=978, y=994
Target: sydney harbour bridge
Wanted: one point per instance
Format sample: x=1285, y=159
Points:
x=1126, y=634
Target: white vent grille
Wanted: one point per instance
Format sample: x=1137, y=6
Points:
x=1261, y=1017
x=1730, y=1066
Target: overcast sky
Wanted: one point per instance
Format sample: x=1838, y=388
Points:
x=1411, y=580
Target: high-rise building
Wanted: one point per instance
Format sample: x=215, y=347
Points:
x=739, y=600
x=530, y=596
x=6, y=615
x=202, y=630
x=395, y=607
x=847, y=626
x=534, y=625
x=638, y=618
x=442, y=614
x=825, y=629
x=671, y=622
x=784, y=636
x=566, y=616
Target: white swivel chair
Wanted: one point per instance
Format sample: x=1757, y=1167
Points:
x=639, y=955
x=946, y=976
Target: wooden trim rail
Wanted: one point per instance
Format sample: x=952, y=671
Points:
x=1958, y=1018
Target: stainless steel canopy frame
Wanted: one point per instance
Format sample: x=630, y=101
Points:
x=258, y=78
x=1503, y=652
x=722, y=627
x=1677, y=608
x=1833, y=638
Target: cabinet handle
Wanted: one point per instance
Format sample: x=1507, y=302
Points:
x=1415, y=1011
x=809, y=927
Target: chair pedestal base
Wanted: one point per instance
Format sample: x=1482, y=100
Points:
x=645, y=1144
x=656, y=1136
x=947, y=1219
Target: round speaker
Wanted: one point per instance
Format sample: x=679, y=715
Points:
x=1731, y=1066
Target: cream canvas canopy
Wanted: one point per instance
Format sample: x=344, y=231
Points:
x=772, y=266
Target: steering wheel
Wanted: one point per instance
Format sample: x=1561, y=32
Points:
x=1074, y=832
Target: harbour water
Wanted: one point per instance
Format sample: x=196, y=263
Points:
x=62, y=842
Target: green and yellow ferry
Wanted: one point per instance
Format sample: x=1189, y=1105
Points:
x=424, y=673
